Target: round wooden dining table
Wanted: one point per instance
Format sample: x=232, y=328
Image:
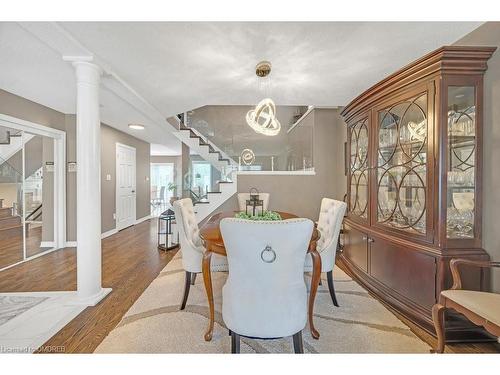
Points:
x=212, y=238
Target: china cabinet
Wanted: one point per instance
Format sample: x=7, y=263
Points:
x=414, y=182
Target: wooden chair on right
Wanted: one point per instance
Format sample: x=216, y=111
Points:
x=481, y=308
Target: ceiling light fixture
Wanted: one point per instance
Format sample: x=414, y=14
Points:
x=263, y=119
x=136, y=126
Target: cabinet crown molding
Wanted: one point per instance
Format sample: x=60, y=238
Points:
x=447, y=60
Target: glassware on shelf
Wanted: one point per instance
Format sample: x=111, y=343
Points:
x=401, y=169
x=461, y=162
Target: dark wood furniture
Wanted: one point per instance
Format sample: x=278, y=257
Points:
x=414, y=182
x=475, y=314
x=212, y=238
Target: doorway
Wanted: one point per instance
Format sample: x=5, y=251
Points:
x=162, y=186
x=125, y=186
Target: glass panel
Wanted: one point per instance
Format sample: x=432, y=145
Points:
x=359, y=169
x=401, y=165
x=225, y=128
x=461, y=162
x=202, y=177
x=38, y=193
x=11, y=197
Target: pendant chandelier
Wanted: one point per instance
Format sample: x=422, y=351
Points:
x=263, y=119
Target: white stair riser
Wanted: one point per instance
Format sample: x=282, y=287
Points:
x=227, y=190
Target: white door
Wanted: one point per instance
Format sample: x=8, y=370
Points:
x=125, y=186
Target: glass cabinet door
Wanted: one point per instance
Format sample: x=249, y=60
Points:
x=461, y=162
x=401, y=165
x=358, y=201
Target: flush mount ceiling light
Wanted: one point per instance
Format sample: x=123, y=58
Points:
x=136, y=126
x=263, y=119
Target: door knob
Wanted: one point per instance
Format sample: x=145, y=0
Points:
x=365, y=238
x=371, y=240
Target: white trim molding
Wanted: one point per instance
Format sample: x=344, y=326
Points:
x=307, y=172
x=47, y=244
x=142, y=219
x=109, y=233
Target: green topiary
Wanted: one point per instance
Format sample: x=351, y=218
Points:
x=265, y=216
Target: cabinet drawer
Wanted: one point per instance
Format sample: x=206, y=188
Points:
x=408, y=272
x=356, y=248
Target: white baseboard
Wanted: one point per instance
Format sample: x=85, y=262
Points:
x=47, y=244
x=138, y=221
x=108, y=233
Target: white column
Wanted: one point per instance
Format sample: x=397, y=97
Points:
x=88, y=202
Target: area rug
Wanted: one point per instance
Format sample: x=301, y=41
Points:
x=154, y=323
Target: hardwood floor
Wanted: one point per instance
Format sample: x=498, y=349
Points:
x=11, y=246
x=130, y=262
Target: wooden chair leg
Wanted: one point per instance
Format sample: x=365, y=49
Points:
x=235, y=343
x=187, y=285
x=193, y=278
x=298, y=345
x=438, y=311
x=329, y=276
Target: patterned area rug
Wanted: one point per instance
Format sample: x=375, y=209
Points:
x=154, y=323
x=12, y=306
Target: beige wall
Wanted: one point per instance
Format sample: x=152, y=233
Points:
x=489, y=35
x=109, y=138
x=25, y=109
x=302, y=194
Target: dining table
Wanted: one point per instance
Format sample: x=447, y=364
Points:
x=214, y=244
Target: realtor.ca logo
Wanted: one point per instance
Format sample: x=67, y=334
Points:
x=29, y=349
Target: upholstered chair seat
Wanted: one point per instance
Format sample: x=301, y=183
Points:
x=329, y=224
x=265, y=295
x=243, y=197
x=191, y=246
x=483, y=304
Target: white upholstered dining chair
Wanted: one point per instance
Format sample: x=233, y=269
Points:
x=243, y=197
x=329, y=225
x=265, y=295
x=192, y=248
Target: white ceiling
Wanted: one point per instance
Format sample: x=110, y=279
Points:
x=174, y=67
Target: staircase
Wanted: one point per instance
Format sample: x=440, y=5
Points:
x=227, y=187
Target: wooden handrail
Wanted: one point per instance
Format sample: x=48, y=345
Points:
x=454, y=263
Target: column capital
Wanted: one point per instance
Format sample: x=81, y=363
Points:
x=86, y=69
